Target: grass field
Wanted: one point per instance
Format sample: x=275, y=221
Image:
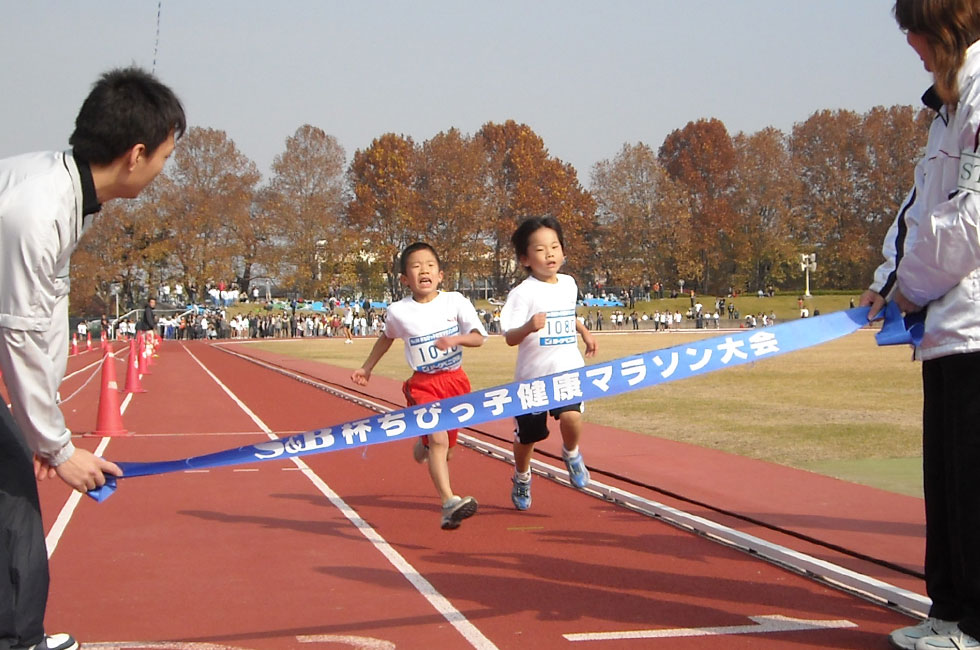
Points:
x=846, y=408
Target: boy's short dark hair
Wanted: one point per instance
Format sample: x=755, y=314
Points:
x=522, y=236
x=412, y=248
x=126, y=107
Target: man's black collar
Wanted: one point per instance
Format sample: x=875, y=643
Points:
x=90, y=201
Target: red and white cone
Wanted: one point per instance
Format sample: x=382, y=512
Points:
x=133, y=384
x=141, y=345
x=109, y=422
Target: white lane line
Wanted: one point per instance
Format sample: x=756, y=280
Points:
x=67, y=510
x=806, y=565
x=82, y=369
x=764, y=625
x=439, y=602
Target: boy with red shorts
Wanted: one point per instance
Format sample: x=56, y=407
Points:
x=434, y=325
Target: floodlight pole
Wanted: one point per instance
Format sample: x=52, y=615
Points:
x=808, y=262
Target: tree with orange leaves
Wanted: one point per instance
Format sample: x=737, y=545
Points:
x=525, y=181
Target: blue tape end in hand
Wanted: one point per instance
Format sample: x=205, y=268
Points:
x=901, y=330
x=100, y=494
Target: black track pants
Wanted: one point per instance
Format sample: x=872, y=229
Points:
x=23, y=554
x=951, y=477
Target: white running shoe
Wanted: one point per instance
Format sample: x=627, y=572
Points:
x=56, y=642
x=458, y=509
x=955, y=639
x=905, y=638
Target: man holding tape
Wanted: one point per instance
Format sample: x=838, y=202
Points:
x=124, y=133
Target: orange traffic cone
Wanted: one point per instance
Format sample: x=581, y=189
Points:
x=74, y=344
x=88, y=342
x=133, y=384
x=109, y=422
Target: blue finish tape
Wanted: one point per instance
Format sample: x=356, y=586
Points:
x=545, y=393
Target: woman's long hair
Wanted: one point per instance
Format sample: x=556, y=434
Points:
x=950, y=27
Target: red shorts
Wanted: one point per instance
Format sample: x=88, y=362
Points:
x=425, y=387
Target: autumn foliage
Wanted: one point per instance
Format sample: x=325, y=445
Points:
x=719, y=211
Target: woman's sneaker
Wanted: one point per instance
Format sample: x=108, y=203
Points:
x=905, y=638
x=955, y=639
x=520, y=494
x=458, y=509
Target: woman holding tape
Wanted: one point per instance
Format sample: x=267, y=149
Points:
x=932, y=261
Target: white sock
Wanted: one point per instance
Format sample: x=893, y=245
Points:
x=523, y=477
x=569, y=453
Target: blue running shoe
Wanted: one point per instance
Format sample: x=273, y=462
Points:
x=521, y=494
x=578, y=474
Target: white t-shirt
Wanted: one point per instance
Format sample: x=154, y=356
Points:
x=554, y=347
x=419, y=324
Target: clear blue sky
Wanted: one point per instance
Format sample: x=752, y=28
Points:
x=587, y=76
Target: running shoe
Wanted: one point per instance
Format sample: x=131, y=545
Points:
x=458, y=509
x=55, y=642
x=577, y=472
x=955, y=639
x=905, y=638
x=520, y=494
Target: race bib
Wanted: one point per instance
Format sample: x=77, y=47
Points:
x=426, y=357
x=969, y=178
x=559, y=328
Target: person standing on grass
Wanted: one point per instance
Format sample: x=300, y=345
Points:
x=348, y=324
x=539, y=317
x=435, y=325
x=932, y=262
x=124, y=133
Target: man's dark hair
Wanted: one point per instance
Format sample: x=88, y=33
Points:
x=126, y=107
x=412, y=248
x=522, y=236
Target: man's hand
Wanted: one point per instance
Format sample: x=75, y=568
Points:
x=42, y=470
x=84, y=471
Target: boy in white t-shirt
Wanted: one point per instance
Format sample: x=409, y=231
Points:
x=539, y=316
x=434, y=325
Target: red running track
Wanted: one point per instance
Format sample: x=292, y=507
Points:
x=344, y=550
